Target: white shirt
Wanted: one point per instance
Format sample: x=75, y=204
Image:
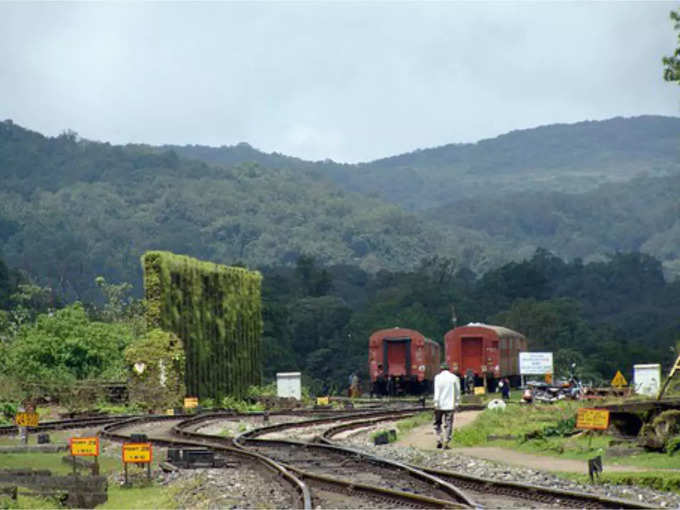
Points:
x=446, y=391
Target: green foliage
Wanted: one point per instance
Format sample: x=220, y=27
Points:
x=671, y=71
x=520, y=421
x=155, y=365
x=240, y=406
x=672, y=445
x=217, y=312
x=268, y=390
x=7, y=412
x=562, y=428
x=65, y=346
x=658, y=480
x=408, y=424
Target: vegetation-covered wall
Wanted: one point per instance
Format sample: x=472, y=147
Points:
x=217, y=313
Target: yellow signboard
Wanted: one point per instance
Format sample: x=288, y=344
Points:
x=619, y=381
x=322, y=401
x=190, y=402
x=26, y=419
x=137, y=452
x=480, y=390
x=596, y=419
x=84, y=446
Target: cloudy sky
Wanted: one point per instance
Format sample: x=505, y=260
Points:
x=341, y=80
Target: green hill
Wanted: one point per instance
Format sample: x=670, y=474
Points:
x=581, y=190
x=73, y=209
x=561, y=157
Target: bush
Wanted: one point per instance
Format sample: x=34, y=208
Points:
x=156, y=370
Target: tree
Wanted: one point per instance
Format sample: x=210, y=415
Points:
x=671, y=64
x=66, y=346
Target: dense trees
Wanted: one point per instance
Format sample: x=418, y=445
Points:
x=63, y=347
x=604, y=316
x=80, y=209
x=69, y=213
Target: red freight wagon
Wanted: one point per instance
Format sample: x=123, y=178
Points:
x=402, y=361
x=488, y=352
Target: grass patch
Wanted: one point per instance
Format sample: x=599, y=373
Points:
x=52, y=461
x=519, y=420
x=406, y=425
x=27, y=502
x=152, y=496
x=659, y=480
x=516, y=419
x=147, y=496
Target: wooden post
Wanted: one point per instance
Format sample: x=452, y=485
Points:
x=126, y=473
x=73, y=461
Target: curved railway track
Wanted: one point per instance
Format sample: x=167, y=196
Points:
x=270, y=470
x=370, y=482
x=354, y=478
x=485, y=489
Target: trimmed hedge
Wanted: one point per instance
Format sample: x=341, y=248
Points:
x=216, y=311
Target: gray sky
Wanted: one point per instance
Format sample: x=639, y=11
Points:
x=340, y=80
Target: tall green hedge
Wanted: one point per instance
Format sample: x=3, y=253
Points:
x=216, y=310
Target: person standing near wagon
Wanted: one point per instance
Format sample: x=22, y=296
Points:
x=446, y=401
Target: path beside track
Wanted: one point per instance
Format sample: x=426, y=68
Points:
x=423, y=437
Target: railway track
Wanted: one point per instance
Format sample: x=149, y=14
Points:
x=269, y=470
x=331, y=470
x=487, y=491
x=73, y=423
x=340, y=477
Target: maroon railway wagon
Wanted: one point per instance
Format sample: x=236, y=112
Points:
x=484, y=352
x=402, y=361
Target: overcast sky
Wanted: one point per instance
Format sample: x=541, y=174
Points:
x=340, y=80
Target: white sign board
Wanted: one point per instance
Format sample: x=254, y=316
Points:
x=288, y=384
x=647, y=379
x=535, y=363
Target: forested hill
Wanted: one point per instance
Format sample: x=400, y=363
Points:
x=561, y=157
x=642, y=214
x=581, y=190
x=73, y=209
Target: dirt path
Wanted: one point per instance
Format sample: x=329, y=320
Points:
x=423, y=437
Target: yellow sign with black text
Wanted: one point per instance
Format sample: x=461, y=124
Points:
x=190, y=402
x=84, y=446
x=26, y=419
x=322, y=401
x=137, y=452
x=619, y=381
x=593, y=419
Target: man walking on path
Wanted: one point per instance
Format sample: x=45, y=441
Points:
x=446, y=401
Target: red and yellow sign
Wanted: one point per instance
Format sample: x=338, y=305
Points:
x=190, y=402
x=26, y=419
x=595, y=419
x=84, y=446
x=137, y=452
